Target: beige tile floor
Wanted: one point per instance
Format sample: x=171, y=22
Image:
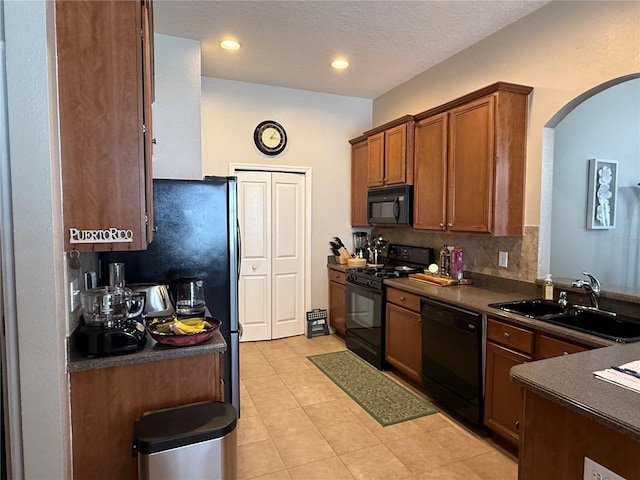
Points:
x=298, y=425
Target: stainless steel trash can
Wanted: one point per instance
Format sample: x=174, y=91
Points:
x=190, y=442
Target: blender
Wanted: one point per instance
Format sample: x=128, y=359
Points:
x=360, y=244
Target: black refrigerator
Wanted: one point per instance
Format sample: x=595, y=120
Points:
x=196, y=234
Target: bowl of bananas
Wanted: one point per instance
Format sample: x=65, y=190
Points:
x=181, y=332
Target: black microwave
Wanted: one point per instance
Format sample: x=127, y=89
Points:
x=390, y=205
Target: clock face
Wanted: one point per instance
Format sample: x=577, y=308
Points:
x=270, y=137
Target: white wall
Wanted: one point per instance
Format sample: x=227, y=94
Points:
x=176, y=110
x=605, y=126
x=318, y=129
x=37, y=215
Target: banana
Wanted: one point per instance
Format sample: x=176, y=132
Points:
x=175, y=328
x=184, y=326
x=197, y=328
x=192, y=321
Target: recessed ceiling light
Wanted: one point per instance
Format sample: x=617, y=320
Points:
x=230, y=45
x=339, y=63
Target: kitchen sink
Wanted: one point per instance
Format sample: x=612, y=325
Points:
x=616, y=327
x=531, y=308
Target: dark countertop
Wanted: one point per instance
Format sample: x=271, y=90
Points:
x=152, y=352
x=569, y=381
x=478, y=299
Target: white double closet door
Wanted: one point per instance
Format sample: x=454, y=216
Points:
x=271, y=210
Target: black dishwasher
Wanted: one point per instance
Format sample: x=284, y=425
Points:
x=452, y=358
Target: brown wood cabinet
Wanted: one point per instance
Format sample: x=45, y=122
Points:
x=105, y=91
x=359, y=185
x=509, y=345
x=106, y=402
x=337, y=297
x=403, y=341
x=390, y=153
x=469, y=162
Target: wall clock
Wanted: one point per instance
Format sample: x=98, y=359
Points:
x=270, y=137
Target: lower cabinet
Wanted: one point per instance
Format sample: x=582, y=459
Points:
x=509, y=345
x=403, y=343
x=337, y=296
x=106, y=402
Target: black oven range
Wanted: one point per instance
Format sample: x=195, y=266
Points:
x=365, y=299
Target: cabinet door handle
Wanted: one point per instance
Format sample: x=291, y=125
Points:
x=518, y=425
x=449, y=224
x=254, y=267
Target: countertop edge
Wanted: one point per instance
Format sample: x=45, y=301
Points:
x=152, y=352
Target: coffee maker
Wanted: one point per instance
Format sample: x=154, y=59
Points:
x=111, y=322
x=360, y=244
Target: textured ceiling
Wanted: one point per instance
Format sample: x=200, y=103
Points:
x=291, y=43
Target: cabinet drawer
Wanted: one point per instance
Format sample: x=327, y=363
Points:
x=404, y=299
x=336, y=276
x=510, y=336
x=549, y=347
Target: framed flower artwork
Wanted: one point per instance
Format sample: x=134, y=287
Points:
x=602, y=195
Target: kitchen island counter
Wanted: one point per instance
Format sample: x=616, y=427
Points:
x=569, y=381
x=570, y=415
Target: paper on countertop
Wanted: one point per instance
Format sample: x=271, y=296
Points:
x=622, y=379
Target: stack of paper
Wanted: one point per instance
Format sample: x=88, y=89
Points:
x=627, y=375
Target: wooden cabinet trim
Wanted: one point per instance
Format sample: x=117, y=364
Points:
x=495, y=87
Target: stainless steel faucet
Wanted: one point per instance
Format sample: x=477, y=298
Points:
x=592, y=287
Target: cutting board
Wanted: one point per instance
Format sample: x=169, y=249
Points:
x=432, y=279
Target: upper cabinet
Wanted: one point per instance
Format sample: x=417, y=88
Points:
x=105, y=90
x=470, y=163
x=359, y=168
x=390, y=150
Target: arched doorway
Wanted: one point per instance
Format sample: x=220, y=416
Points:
x=577, y=132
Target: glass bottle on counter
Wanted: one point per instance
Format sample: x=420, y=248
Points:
x=445, y=261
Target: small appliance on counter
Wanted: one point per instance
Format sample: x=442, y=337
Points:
x=109, y=324
x=360, y=244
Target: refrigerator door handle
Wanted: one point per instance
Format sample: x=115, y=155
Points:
x=239, y=249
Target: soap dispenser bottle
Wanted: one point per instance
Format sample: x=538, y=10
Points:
x=548, y=288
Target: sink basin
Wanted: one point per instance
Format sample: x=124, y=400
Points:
x=619, y=328
x=531, y=308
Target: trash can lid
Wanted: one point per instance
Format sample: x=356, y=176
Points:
x=176, y=427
